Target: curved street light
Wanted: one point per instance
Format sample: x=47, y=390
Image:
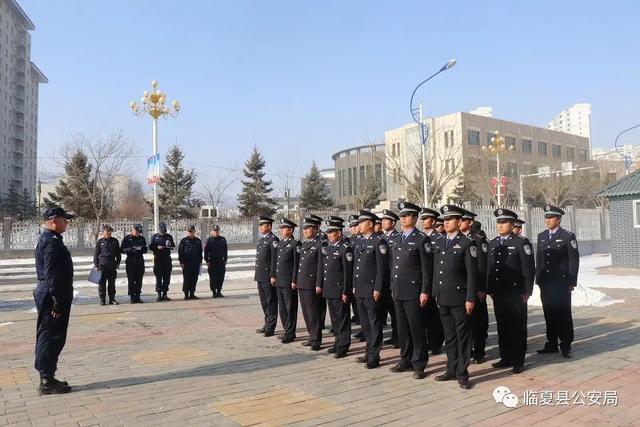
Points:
x=423, y=132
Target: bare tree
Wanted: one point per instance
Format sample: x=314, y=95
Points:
x=213, y=190
x=133, y=205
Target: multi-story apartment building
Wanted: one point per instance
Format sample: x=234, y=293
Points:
x=575, y=120
x=19, y=80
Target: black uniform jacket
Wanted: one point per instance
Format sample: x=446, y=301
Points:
x=511, y=267
x=371, y=260
x=265, y=252
x=284, y=265
x=557, y=258
x=307, y=276
x=455, y=271
x=107, y=253
x=411, y=265
x=336, y=269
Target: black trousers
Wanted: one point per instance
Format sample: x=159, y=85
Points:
x=433, y=323
x=51, y=334
x=369, y=313
x=457, y=335
x=310, y=302
x=269, y=301
x=108, y=276
x=135, y=273
x=412, y=334
x=162, y=271
x=216, y=275
x=323, y=312
x=190, y=274
x=556, y=305
x=354, y=309
x=479, y=328
x=288, y=308
x=340, y=314
x=511, y=317
x=387, y=306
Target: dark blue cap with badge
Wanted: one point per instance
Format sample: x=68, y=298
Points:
x=366, y=216
x=287, y=223
x=264, y=220
x=518, y=223
x=467, y=214
x=428, y=213
x=137, y=227
x=57, y=212
x=408, y=208
x=191, y=228
x=311, y=222
x=451, y=211
x=107, y=227
x=334, y=225
x=505, y=214
x=550, y=211
x=353, y=220
x=162, y=226
x=334, y=218
x=389, y=214
x=316, y=218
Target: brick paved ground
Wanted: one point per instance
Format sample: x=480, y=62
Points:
x=200, y=362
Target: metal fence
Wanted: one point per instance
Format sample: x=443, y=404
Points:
x=588, y=224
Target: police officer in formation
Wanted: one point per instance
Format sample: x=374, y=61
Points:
x=134, y=245
x=335, y=284
x=161, y=245
x=411, y=277
x=215, y=255
x=106, y=258
x=190, y=258
x=323, y=237
x=353, y=241
x=510, y=284
x=53, y=296
x=557, y=263
x=284, y=269
x=266, y=251
x=389, y=219
x=370, y=253
x=308, y=278
x=517, y=227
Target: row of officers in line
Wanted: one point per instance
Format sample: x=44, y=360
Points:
x=191, y=253
x=433, y=284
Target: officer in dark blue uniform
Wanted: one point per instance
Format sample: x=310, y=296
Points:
x=435, y=333
x=190, y=258
x=284, y=271
x=106, y=258
x=371, y=260
x=439, y=225
x=215, y=255
x=134, y=245
x=336, y=279
x=53, y=296
x=411, y=276
x=161, y=245
x=517, y=227
x=308, y=279
x=323, y=237
x=510, y=283
x=480, y=314
x=557, y=264
x=389, y=232
x=265, y=253
x=455, y=288
x=353, y=242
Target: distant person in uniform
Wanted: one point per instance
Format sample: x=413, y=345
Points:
x=134, y=245
x=190, y=258
x=353, y=240
x=439, y=225
x=161, y=245
x=557, y=264
x=265, y=253
x=517, y=227
x=215, y=255
x=106, y=258
x=389, y=233
x=53, y=296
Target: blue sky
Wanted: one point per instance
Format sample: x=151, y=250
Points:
x=304, y=79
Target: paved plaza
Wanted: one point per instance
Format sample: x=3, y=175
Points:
x=200, y=362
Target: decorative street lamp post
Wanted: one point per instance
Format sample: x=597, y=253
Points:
x=153, y=104
x=497, y=147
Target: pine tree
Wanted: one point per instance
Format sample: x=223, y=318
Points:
x=73, y=190
x=28, y=208
x=255, y=197
x=315, y=194
x=175, y=186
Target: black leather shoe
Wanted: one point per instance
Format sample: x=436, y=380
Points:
x=113, y=302
x=220, y=295
x=287, y=340
x=103, y=301
x=268, y=334
x=547, y=349
x=400, y=368
x=518, y=369
x=419, y=374
x=340, y=355
x=260, y=331
x=331, y=350
x=193, y=296
x=139, y=301
x=315, y=347
x=361, y=359
x=306, y=344
x=372, y=365
x=280, y=336
x=48, y=386
x=159, y=297
x=567, y=354
x=165, y=297
x=465, y=384
x=501, y=364
x=445, y=377
x=186, y=296
x=215, y=295
x=57, y=381
x=436, y=351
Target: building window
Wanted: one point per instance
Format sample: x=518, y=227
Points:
x=510, y=141
x=526, y=146
x=350, y=187
x=557, y=151
x=582, y=155
x=489, y=136
x=542, y=148
x=636, y=213
x=448, y=138
x=512, y=170
x=571, y=154
x=473, y=137
x=449, y=166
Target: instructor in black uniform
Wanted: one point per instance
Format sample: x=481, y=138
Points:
x=190, y=258
x=265, y=252
x=216, y=255
x=284, y=269
x=106, y=258
x=161, y=245
x=134, y=245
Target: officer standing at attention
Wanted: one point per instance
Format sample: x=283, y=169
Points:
x=389, y=233
x=411, y=276
x=517, y=227
x=190, y=258
x=321, y=234
x=53, y=296
x=439, y=225
x=336, y=278
x=323, y=237
x=377, y=227
x=510, y=283
x=216, y=255
x=134, y=245
x=480, y=314
x=370, y=263
x=353, y=242
x=455, y=276
x=284, y=269
x=265, y=252
x=557, y=263
x=106, y=258
x=435, y=333
x=161, y=245
x=308, y=279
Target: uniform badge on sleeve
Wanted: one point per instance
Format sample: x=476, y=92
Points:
x=574, y=244
x=484, y=247
x=324, y=250
x=383, y=249
x=527, y=249
x=349, y=256
x=275, y=244
x=473, y=251
x=298, y=249
x=427, y=247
